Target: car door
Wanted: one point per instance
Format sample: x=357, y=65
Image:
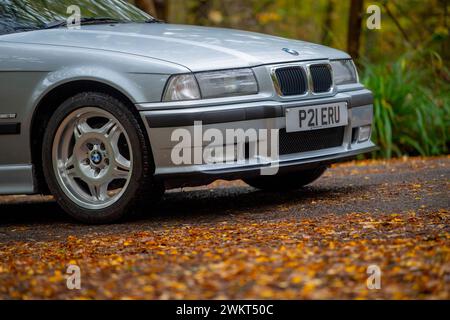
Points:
x=18, y=78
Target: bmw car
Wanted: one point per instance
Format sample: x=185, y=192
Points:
x=92, y=92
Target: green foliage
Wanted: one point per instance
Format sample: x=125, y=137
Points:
x=411, y=107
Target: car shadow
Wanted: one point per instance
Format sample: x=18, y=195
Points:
x=182, y=206
x=224, y=201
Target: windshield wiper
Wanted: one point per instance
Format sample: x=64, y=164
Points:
x=85, y=21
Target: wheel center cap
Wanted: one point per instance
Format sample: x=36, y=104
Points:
x=96, y=157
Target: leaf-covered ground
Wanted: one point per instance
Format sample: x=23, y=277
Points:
x=233, y=242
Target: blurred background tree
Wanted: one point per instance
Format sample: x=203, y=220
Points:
x=405, y=63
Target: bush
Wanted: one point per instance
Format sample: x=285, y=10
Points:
x=411, y=105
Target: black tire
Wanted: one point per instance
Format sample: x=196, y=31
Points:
x=141, y=186
x=285, y=182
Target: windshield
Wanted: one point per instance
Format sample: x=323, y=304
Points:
x=22, y=15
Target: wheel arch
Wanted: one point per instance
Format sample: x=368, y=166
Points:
x=50, y=102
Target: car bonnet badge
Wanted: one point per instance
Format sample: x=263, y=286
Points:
x=291, y=51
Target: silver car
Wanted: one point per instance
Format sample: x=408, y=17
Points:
x=97, y=97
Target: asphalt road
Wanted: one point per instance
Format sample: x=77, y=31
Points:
x=229, y=240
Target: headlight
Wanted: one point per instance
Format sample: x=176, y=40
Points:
x=227, y=83
x=344, y=72
x=206, y=85
x=182, y=87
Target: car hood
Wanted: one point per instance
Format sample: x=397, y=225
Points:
x=197, y=48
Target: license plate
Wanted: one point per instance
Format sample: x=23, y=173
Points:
x=316, y=117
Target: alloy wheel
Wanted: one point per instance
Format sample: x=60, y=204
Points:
x=92, y=158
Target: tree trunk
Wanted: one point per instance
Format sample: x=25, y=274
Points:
x=157, y=8
x=146, y=5
x=354, y=28
x=445, y=44
x=201, y=11
x=327, y=38
x=162, y=9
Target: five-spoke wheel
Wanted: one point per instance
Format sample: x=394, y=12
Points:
x=96, y=159
x=92, y=158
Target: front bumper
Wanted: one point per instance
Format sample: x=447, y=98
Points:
x=257, y=115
